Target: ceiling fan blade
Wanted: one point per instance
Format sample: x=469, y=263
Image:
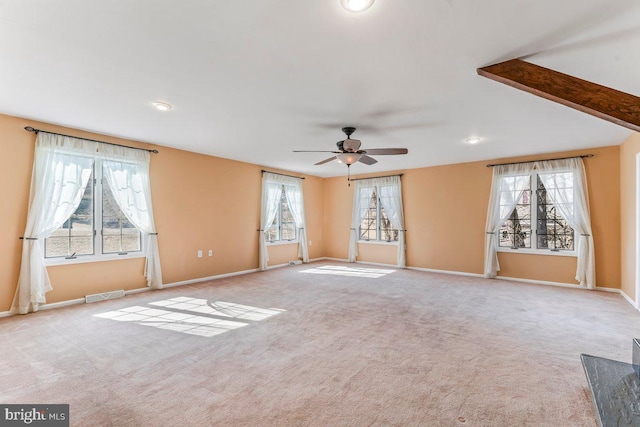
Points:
x=386, y=151
x=326, y=160
x=367, y=160
x=316, y=151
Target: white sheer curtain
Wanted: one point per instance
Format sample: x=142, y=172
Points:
x=271, y=194
x=509, y=183
x=362, y=191
x=566, y=184
x=61, y=170
x=390, y=194
x=126, y=171
x=295, y=199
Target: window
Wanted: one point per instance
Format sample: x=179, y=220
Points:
x=374, y=223
x=283, y=227
x=98, y=227
x=552, y=231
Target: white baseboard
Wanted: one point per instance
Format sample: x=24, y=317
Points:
x=137, y=291
x=205, y=279
x=541, y=282
x=629, y=300
x=456, y=273
x=61, y=304
x=559, y=284
x=335, y=259
x=605, y=289
x=380, y=264
x=50, y=306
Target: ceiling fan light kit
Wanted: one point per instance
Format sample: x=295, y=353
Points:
x=349, y=158
x=356, y=6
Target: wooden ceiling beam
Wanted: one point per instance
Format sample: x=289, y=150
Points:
x=609, y=104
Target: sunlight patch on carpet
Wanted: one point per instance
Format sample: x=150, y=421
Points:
x=373, y=273
x=180, y=315
x=219, y=308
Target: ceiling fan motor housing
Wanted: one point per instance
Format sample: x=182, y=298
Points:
x=351, y=145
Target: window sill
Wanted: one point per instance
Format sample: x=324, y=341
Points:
x=83, y=259
x=544, y=252
x=282, y=242
x=378, y=242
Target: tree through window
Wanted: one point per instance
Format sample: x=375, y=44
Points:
x=374, y=223
x=97, y=214
x=283, y=226
x=552, y=231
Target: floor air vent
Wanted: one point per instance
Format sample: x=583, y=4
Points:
x=103, y=296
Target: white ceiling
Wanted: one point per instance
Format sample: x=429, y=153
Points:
x=254, y=80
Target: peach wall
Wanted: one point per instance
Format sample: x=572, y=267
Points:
x=200, y=203
x=603, y=177
x=16, y=162
x=338, y=201
x=379, y=253
x=445, y=212
x=547, y=268
x=628, y=152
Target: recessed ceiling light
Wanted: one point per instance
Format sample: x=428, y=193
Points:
x=473, y=140
x=356, y=5
x=162, y=106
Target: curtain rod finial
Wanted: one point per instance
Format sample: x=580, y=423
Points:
x=31, y=129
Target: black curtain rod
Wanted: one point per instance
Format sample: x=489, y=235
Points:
x=541, y=160
x=374, y=177
x=34, y=130
x=282, y=174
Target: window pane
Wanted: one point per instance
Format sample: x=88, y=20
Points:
x=271, y=233
x=387, y=231
x=516, y=231
x=118, y=234
x=369, y=221
x=554, y=232
x=287, y=224
x=75, y=237
x=283, y=226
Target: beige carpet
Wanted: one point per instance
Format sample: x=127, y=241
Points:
x=323, y=344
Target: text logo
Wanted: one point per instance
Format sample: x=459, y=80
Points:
x=34, y=415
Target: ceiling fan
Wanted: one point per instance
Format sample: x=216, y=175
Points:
x=349, y=151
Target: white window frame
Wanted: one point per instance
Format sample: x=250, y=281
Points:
x=278, y=221
x=534, y=250
x=97, y=256
x=378, y=240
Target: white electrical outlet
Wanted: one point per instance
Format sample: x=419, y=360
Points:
x=199, y=254
x=310, y=243
x=210, y=252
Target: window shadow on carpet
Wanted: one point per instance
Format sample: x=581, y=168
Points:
x=194, y=316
